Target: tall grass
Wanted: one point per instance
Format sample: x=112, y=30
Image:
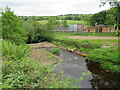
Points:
x=13, y=51
x=111, y=34
x=107, y=57
x=21, y=72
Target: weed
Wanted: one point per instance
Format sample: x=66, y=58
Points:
x=55, y=50
x=107, y=57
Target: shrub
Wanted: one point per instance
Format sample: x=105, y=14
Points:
x=11, y=27
x=14, y=52
x=55, y=50
x=41, y=33
x=37, y=32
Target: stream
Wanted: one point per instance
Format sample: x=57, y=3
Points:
x=74, y=65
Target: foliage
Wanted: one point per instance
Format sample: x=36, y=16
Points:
x=85, y=46
x=107, y=57
x=64, y=23
x=111, y=17
x=112, y=34
x=11, y=27
x=41, y=33
x=114, y=3
x=51, y=23
x=55, y=50
x=28, y=26
x=18, y=70
x=11, y=51
x=61, y=33
x=98, y=18
x=37, y=32
x=27, y=73
x=0, y=27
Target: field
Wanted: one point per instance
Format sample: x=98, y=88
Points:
x=70, y=22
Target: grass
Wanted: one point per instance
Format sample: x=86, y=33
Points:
x=107, y=57
x=70, y=22
x=112, y=34
x=55, y=50
x=23, y=72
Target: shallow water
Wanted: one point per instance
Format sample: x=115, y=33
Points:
x=73, y=65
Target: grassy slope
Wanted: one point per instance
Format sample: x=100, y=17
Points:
x=70, y=22
x=107, y=57
x=19, y=71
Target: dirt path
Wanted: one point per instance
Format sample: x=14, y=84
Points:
x=42, y=45
x=91, y=37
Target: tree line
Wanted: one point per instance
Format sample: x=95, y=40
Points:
x=106, y=17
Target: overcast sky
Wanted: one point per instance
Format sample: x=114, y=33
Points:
x=53, y=7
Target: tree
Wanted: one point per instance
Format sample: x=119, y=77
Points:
x=51, y=23
x=111, y=17
x=64, y=23
x=98, y=18
x=113, y=3
x=28, y=26
x=41, y=33
x=12, y=27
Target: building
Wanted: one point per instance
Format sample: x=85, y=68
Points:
x=100, y=28
x=73, y=28
x=78, y=28
x=90, y=29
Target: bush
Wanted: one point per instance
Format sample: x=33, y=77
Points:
x=37, y=32
x=55, y=50
x=41, y=33
x=12, y=27
x=14, y=52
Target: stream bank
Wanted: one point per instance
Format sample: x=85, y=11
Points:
x=74, y=65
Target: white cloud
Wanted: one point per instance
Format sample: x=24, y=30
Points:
x=53, y=7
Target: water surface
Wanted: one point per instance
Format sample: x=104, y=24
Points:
x=74, y=65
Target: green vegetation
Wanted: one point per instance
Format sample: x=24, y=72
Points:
x=11, y=51
x=98, y=18
x=11, y=27
x=106, y=57
x=116, y=13
x=37, y=32
x=107, y=17
x=22, y=72
x=112, y=34
x=18, y=69
x=55, y=50
x=69, y=22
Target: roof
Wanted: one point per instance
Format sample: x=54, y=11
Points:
x=100, y=25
